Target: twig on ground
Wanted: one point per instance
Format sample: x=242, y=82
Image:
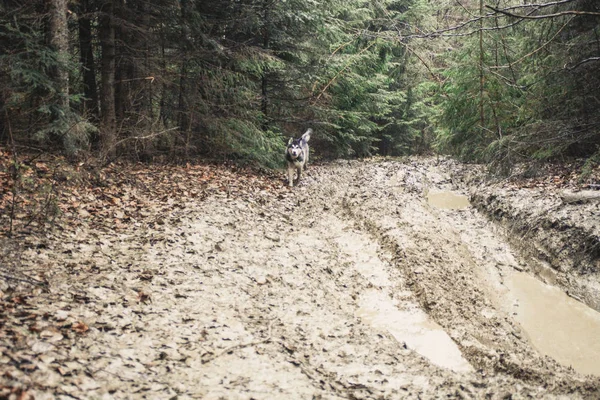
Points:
x=240, y=346
x=27, y=279
x=149, y=136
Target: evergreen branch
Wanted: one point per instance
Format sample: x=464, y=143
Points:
x=443, y=32
x=541, y=47
x=340, y=72
x=410, y=49
x=505, y=49
x=333, y=53
x=554, y=15
x=440, y=32
x=465, y=8
x=341, y=46
x=475, y=19
x=433, y=75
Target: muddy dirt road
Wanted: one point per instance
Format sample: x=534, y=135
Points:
x=372, y=280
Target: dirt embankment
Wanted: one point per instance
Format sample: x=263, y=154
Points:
x=557, y=228
x=351, y=285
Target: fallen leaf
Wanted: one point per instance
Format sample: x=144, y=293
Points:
x=80, y=327
x=143, y=297
x=41, y=347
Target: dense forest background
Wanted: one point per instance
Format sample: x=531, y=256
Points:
x=495, y=81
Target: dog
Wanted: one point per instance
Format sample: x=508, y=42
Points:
x=296, y=155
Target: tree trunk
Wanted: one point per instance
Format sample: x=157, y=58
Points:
x=164, y=110
x=182, y=109
x=264, y=106
x=88, y=69
x=481, y=71
x=145, y=70
x=106, y=35
x=124, y=52
x=3, y=123
x=59, y=42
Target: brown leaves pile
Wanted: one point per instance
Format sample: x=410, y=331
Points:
x=47, y=198
x=573, y=175
x=50, y=192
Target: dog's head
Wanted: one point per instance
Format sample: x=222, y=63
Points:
x=294, y=148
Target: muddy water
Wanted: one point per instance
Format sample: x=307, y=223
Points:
x=403, y=319
x=414, y=328
x=556, y=324
x=447, y=200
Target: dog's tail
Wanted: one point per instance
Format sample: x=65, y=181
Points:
x=306, y=135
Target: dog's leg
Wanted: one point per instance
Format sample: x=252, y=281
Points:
x=299, y=169
x=290, y=173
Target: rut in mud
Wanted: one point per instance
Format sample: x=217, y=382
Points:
x=356, y=284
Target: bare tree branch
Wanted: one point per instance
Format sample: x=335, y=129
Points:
x=27, y=279
x=532, y=8
x=539, y=5
x=443, y=32
x=583, y=62
x=554, y=15
x=149, y=136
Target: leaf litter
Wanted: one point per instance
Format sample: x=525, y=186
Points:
x=203, y=281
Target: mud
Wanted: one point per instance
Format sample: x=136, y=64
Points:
x=556, y=324
x=448, y=200
x=355, y=284
x=559, y=237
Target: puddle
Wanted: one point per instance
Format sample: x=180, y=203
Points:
x=408, y=323
x=414, y=328
x=557, y=325
x=448, y=200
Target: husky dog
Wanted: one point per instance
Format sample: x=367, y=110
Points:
x=296, y=156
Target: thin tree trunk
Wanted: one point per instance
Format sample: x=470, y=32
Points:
x=264, y=106
x=121, y=82
x=182, y=109
x=146, y=90
x=59, y=41
x=182, y=118
x=107, y=93
x=122, y=74
x=88, y=69
x=125, y=78
x=3, y=122
x=164, y=113
x=481, y=72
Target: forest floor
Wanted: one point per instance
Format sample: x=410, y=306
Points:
x=370, y=280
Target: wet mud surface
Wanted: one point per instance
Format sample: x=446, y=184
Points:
x=370, y=280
